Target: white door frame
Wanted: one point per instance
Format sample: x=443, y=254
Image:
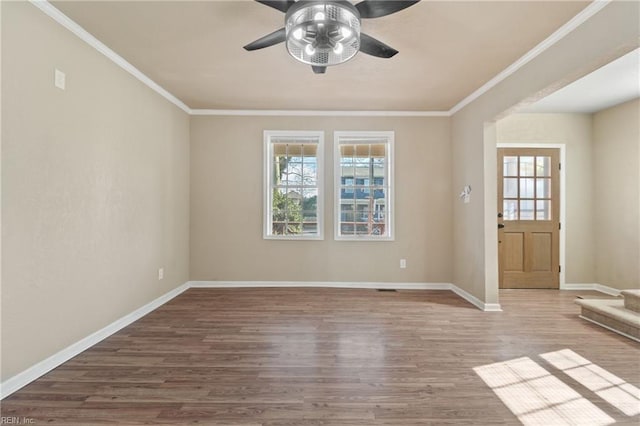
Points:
x=563, y=199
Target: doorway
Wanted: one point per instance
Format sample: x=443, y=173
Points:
x=529, y=205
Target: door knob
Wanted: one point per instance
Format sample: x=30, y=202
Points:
x=500, y=225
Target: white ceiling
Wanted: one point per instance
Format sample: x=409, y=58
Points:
x=612, y=84
x=193, y=49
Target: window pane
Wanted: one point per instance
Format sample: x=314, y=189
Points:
x=278, y=221
x=363, y=177
x=362, y=212
x=378, y=170
x=310, y=205
x=347, y=190
x=510, y=210
x=309, y=176
x=378, y=229
x=292, y=174
x=379, y=196
x=347, y=150
x=378, y=151
x=293, y=178
x=347, y=212
x=526, y=188
x=526, y=166
x=543, y=166
x=347, y=228
x=309, y=228
x=310, y=150
x=293, y=228
x=543, y=210
x=543, y=188
x=510, y=188
x=379, y=213
x=362, y=229
x=526, y=209
x=362, y=150
x=362, y=169
x=510, y=166
x=347, y=171
x=279, y=150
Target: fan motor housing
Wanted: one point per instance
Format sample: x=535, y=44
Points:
x=322, y=33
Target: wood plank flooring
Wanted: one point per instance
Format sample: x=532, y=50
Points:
x=314, y=356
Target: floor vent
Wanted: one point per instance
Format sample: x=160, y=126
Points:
x=386, y=289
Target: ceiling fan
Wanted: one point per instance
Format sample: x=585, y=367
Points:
x=322, y=33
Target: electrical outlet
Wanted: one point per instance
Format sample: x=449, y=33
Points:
x=160, y=273
x=403, y=263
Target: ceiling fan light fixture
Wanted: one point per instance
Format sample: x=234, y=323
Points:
x=297, y=33
x=322, y=33
x=309, y=50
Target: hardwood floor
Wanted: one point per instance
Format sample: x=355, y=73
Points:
x=312, y=356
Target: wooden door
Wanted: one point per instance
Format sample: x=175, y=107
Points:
x=529, y=217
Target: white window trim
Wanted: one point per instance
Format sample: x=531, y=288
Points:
x=268, y=194
x=390, y=136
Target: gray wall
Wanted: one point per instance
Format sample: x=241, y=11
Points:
x=95, y=190
x=616, y=185
x=474, y=137
x=574, y=131
x=227, y=194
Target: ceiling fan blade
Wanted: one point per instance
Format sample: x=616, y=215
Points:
x=275, y=37
x=379, y=8
x=318, y=69
x=281, y=5
x=373, y=47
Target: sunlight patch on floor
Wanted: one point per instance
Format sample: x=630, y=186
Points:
x=617, y=392
x=537, y=397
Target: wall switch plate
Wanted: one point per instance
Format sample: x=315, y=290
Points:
x=60, y=79
x=160, y=273
x=403, y=263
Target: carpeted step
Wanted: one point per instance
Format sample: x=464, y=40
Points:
x=611, y=314
x=631, y=299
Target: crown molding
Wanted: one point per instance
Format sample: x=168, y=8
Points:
x=85, y=36
x=72, y=26
x=593, y=8
x=318, y=113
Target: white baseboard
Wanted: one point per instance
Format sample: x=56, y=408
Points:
x=325, y=284
x=576, y=287
x=487, y=307
x=22, y=379
x=606, y=289
x=593, y=287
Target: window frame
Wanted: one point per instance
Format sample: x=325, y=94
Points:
x=267, y=201
x=338, y=136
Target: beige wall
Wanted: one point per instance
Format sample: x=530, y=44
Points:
x=586, y=48
x=226, y=205
x=616, y=183
x=95, y=191
x=574, y=131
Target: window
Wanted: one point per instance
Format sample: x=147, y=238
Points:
x=293, y=185
x=364, y=185
x=527, y=187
